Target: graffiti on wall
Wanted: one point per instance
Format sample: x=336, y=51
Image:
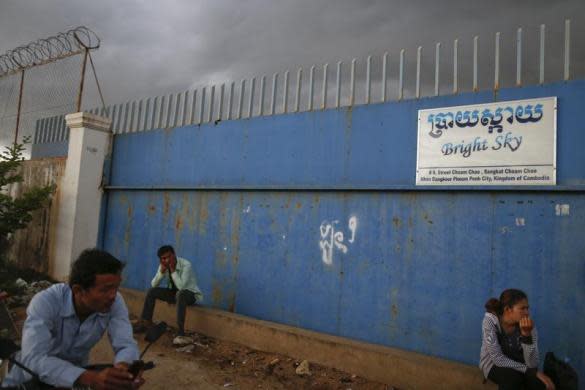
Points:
x=333, y=238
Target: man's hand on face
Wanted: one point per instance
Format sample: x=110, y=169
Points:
x=168, y=261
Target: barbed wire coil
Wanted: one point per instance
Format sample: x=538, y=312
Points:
x=49, y=49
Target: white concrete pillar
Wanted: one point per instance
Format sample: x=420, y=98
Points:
x=80, y=192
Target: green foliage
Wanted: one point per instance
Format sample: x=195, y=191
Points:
x=16, y=213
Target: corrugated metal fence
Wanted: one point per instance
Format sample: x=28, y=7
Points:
x=249, y=98
x=314, y=220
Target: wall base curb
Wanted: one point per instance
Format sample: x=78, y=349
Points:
x=404, y=369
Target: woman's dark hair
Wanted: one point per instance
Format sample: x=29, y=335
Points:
x=165, y=249
x=92, y=262
x=508, y=298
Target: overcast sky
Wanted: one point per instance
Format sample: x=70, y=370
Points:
x=155, y=47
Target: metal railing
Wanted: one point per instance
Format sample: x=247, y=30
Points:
x=226, y=101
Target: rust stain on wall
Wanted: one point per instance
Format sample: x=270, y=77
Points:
x=394, y=311
x=178, y=223
x=427, y=218
x=188, y=212
x=232, y=305
x=393, y=306
x=216, y=294
x=166, y=204
x=203, y=214
x=128, y=229
x=397, y=222
x=235, y=234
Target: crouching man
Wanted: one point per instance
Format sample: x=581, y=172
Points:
x=66, y=320
x=181, y=288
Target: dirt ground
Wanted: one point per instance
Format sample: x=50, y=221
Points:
x=214, y=364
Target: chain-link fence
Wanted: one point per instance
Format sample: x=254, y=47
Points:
x=48, y=90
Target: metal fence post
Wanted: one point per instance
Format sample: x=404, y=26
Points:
x=519, y=57
x=251, y=102
x=273, y=98
x=241, y=98
x=566, y=74
x=338, y=85
x=285, y=93
x=418, y=60
x=368, y=78
x=352, y=83
x=437, y=57
x=497, y=63
x=401, y=76
x=384, y=76
x=475, y=49
x=311, y=87
x=211, y=104
x=324, y=87
x=455, y=65
x=298, y=95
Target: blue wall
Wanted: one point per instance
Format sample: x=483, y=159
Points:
x=371, y=146
x=247, y=202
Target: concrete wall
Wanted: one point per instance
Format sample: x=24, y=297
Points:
x=31, y=247
x=254, y=203
x=49, y=149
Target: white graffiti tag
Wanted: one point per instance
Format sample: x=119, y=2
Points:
x=331, y=239
x=352, y=227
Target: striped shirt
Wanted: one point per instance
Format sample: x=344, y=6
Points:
x=491, y=351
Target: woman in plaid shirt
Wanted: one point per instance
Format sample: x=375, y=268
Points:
x=509, y=348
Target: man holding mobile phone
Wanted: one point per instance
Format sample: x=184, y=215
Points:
x=65, y=321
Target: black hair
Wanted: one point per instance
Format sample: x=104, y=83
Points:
x=508, y=298
x=165, y=249
x=92, y=262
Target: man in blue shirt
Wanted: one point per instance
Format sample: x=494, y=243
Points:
x=66, y=320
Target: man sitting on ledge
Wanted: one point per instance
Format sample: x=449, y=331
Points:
x=181, y=288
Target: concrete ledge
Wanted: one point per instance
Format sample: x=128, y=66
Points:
x=78, y=120
x=406, y=370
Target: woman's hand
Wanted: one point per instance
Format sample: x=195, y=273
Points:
x=526, y=326
x=546, y=380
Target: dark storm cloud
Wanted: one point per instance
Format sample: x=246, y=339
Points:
x=151, y=47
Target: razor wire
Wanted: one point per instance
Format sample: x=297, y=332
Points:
x=50, y=49
x=48, y=71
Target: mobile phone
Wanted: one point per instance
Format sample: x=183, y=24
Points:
x=136, y=367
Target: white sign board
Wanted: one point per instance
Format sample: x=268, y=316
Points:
x=503, y=143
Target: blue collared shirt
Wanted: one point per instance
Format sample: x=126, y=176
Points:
x=55, y=344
